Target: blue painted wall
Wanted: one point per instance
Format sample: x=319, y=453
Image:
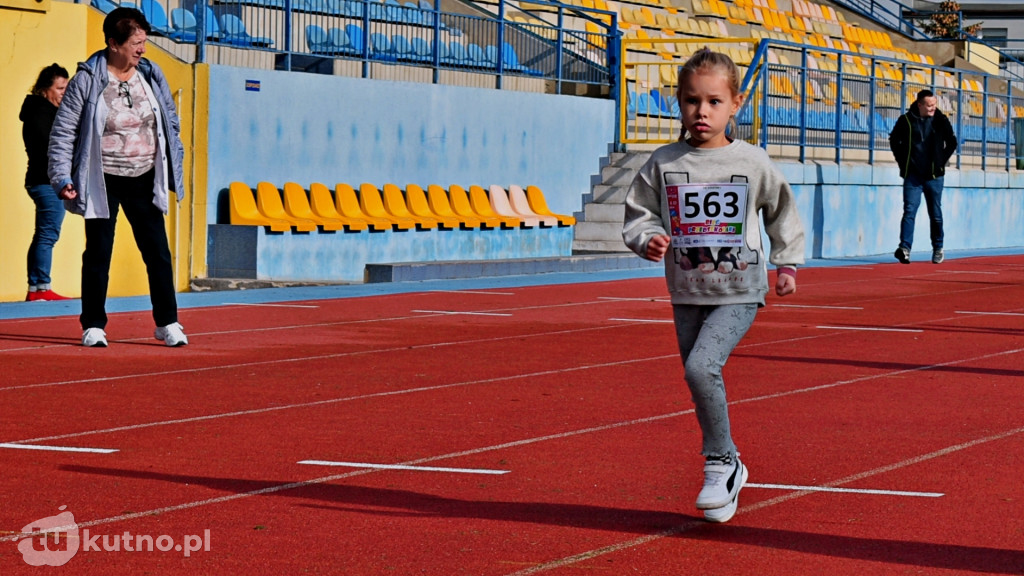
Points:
x=855, y=209
x=308, y=128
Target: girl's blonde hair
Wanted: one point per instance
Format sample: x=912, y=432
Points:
x=706, y=61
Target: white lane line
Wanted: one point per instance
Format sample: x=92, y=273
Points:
x=648, y=299
x=687, y=526
x=817, y=307
x=988, y=313
x=845, y=490
x=456, y=313
x=56, y=448
x=403, y=467
x=640, y=320
x=269, y=305
x=471, y=292
x=558, y=436
x=969, y=272
x=868, y=329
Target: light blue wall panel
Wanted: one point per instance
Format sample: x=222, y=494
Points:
x=312, y=128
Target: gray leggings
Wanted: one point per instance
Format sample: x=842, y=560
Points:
x=707, y=335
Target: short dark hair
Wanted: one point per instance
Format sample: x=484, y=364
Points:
x=121, y=23
x=47, y=76
x=926, y=93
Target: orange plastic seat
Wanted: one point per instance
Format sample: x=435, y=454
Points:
x=441, y=205
x=540, y=206
x=245, y=213
x=372, y=204
x=296, y=205
x=482, y=206
x=418, y=204
x=268, y=199
x=347, y=205
x=463, y=206
x=395, y=204
x=322, y=203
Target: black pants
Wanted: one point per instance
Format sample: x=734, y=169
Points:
x=135, y=196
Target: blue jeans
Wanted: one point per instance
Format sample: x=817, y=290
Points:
x=49, y=218
x=913, y=187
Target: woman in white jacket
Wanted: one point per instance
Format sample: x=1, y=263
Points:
x=116, y=145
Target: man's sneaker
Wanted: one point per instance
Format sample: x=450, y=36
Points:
x=94, y=338
x=903, y=255
x=938, y=256
x=172, y=335
x=723, y=479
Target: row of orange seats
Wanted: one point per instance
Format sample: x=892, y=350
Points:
x=392, y=209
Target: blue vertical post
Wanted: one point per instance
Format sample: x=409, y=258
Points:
x=288, y=35
x=200, y=8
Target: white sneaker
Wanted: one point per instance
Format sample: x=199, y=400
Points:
x=725, y=513
x=722, y=482
x=94, y=338
x=172, y=335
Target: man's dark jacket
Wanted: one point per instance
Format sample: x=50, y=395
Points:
x=932, y=156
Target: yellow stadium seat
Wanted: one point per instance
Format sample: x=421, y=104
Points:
x=372, y=202
x=441, y=205
x=536, y=199
x=268, y=200
x=245, y=213
x=463, y=206
x=482, y=205
x=419, y=206
x=296, y=205
x=322, y=204
x=347, y=204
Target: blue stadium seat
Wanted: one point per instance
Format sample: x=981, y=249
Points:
x=340, y=41
x=318, y=41
x=186, y=27
x=104, y=6
x=457, y=54
x=402, y=48
x=156, y=15
x=355, y=37
x=422, y=50
x=476, y=55
x=235, y=32
x=412, y=14
x=380, y=47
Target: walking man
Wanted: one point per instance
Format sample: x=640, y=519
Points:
x=922, y=142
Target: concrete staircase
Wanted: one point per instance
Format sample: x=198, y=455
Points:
x=599, y=226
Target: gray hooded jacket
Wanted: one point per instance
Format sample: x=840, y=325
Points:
x=76, y=153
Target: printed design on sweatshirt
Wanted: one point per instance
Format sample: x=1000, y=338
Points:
x=707, y=222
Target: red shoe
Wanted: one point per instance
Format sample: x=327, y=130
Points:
x=44, y=295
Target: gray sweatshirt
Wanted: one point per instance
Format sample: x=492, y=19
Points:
x=710, y=200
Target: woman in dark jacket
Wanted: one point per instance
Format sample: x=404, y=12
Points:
x=37, y=114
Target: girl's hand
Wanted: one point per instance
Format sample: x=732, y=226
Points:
x=785, y=285
x=657, y=246
x=68, y=193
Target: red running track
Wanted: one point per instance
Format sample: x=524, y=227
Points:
x=542, y=430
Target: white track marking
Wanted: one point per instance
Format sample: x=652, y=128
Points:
x=57, y=448
x=845, y=490
x=457, y=313
x=969, y=272
x=869, y=329
x=641, y=299
x=817, y=307
x=655, y=321
x=687, y=526
x=558, y=436
x=484, y=292
x=989, y=313
x=270, y=305
x=403, y=467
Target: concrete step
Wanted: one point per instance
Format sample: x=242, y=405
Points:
x=616, y=176
x=631, y=160
x=604, y=213
x=598, y=231
x=605, y=194
x=601, y=246
x=448, y=270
